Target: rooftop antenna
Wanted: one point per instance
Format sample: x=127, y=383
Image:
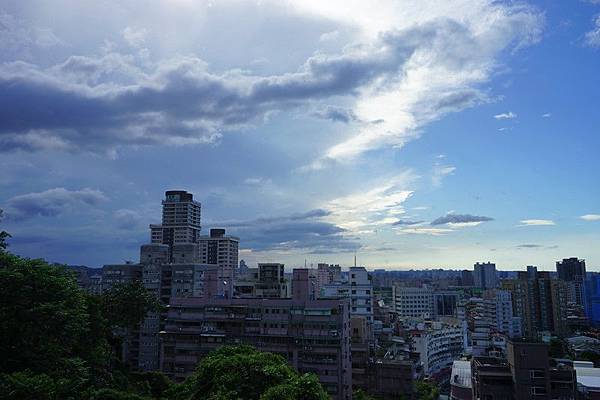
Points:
x=355, y=259
x=305, y=263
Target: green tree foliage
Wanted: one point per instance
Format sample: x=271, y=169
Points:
x=153, y=384
x=55, y=337
x=3, y=236
x=43, y=313
x=56, y=345
x=361, y=395
x=112, y=394
x=590, y=356
x=427, y=390
x=241, y=372
x=125, y=305
x=558, y=348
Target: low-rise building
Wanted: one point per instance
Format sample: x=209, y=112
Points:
x=312, y=334
x=438, y=345
x=526, y=373
x=460, y=381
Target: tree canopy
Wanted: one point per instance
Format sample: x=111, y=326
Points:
x=56, y=338
x=427, y=391
x=3, y=235
x=242, y=372
x=57, y=343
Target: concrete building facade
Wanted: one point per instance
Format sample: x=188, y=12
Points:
x=313, y=335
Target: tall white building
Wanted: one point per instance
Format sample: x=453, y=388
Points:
x=505, y=321
x=489, y=318
x=358, y=288
x=361, y=293
x=180, y=220
x=221, y=250
x=414, y=302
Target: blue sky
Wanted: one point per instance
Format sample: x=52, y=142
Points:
x=412, y=133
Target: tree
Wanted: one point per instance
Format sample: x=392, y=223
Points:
x=241, y=372
x=427, y=390
x=126, y=305
x=55, y=345
x=154, y=384
x=557, y=348
x=43, y=313
x=361, y=395
x=3, y=236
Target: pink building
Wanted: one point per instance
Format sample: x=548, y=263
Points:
x=312, y=334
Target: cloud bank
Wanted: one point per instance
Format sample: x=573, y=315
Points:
x=420, y=62
x=51, y=202
x=457, y=219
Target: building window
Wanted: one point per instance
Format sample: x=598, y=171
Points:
x=537, y=373
x=538, y=390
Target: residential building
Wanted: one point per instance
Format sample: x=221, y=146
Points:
x=180, y=219
x=312, y=334
x=466, y=278
x=571, y=269
x=390, y=379
x=484, y=275
x=438, y=345
x=592, y=298
x=588, y=380
x=444, y=303
x=221, y=250
x=526, y=373
x=271, y=282
x=361, y=293
x=540, y=302
x=414, y=301
x=327, y=274
x=460, y=381
x=114, y=274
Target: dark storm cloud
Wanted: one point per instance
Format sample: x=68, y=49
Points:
x=316, y=213
x=296, y=231
x=99, y=103
x=51, y=203
x=128, y=219
x=336, y=114
x=406, y=222
x=460, y=219
x=535, y=246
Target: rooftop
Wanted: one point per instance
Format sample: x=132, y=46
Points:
x=461, y=373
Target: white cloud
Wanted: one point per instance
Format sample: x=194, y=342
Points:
x=329, y=36
x=423, y=230
x=547, y=115
x=366, y=210
x=592, y=38
x=508, y=115
x=135, y=37
x=590, y=217
x=448, y=48
x=440, y=172
x=536, y=222
x=408, y=64
x=257, y=181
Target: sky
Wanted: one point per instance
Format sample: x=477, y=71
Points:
x=412, y=134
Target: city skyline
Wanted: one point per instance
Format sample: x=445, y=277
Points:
x=410, y=134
